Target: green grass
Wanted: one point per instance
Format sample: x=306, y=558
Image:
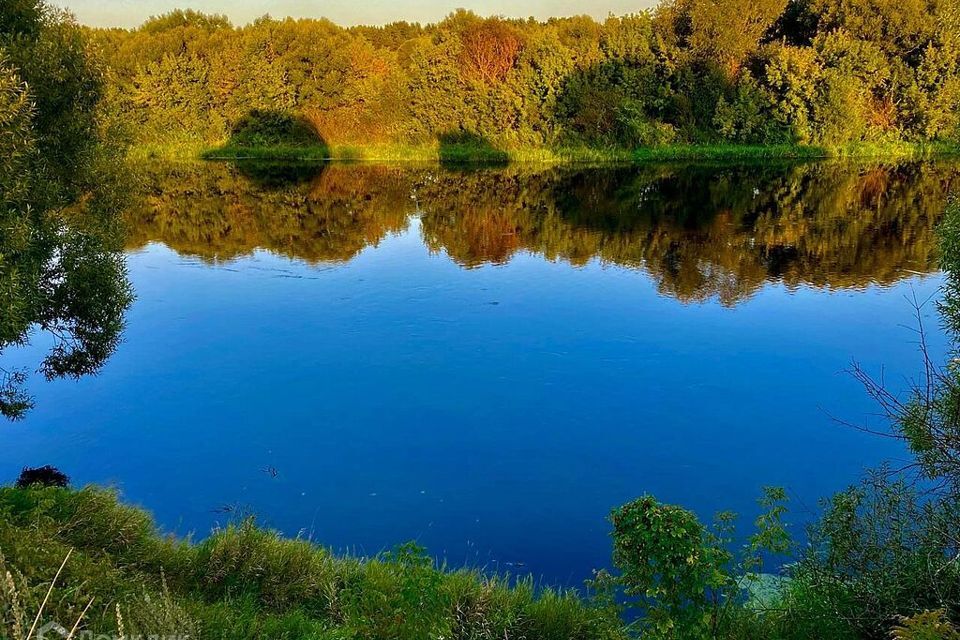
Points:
x=278, y=152
x=167, y=151
x=122, y=578
x=247, y=582
x=483, y=153
x=728, y=152
x=446, y=154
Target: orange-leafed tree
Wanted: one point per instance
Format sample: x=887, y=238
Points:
x=490, y=49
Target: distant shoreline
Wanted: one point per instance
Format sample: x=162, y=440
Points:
x=469, y=154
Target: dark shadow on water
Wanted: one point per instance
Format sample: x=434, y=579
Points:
x=273, y=175
x=275, y=149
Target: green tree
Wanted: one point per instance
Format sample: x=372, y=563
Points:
x=822, y=72
x=49, y=53
x=60, y=272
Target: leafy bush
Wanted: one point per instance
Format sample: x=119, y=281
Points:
x=636, y=129
x=42, y=476
x=881, y=550
x=273, y=128
x=686, y=581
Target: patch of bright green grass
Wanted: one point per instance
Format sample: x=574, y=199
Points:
x=486, y=154
x=466, y=153
x=167, y=151
x=728, y=152
x=278, y=152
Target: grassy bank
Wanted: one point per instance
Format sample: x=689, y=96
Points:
x=485, y=154
x=892, y=150
x=444, y=154
x=246, y=582
x=116, y=576
x=423, y=154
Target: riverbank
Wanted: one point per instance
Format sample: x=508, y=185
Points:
x=385, y=153
x=83, y=560
x=248, y=582
x=486, y=154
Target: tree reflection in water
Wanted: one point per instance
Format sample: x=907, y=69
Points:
x=62, y=274
x=700, y=231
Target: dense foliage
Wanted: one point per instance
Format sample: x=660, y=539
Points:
x=60, y=271
x=818, y=72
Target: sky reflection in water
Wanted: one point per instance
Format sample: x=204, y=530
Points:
x=488, y=361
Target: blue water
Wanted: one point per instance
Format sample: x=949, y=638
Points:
x=494, y=414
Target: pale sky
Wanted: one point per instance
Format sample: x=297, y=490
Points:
x=128, y=13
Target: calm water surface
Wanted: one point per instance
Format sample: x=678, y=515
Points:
x=488, y=361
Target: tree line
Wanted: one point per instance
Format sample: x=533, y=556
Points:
x=61, y=272
x=815, y=72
